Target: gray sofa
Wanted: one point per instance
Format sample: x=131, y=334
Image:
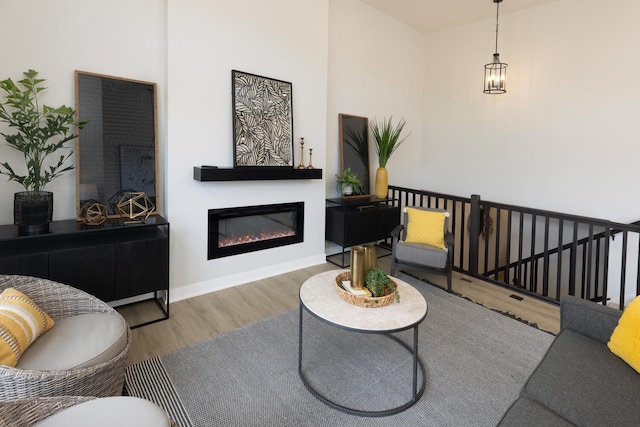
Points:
x=579, y=381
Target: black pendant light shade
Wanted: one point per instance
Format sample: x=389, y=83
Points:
x=495, y=73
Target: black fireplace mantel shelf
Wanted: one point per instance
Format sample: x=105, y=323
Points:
x=261, y=173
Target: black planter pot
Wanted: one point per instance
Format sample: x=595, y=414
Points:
x=32, y=212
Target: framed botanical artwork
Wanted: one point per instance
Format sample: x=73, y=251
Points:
x=262, y=121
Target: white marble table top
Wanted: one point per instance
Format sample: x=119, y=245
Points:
x=319, y=295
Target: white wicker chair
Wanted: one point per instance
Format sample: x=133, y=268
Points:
x=60, y=301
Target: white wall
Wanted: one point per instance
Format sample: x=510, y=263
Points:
x=376, y=68
x=282, y=39
x=190, y=48
x=56, y=38
x=565, y=135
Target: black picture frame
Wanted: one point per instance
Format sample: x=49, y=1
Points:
x=262, y=121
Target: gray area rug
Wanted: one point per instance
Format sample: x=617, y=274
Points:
x=476, y=361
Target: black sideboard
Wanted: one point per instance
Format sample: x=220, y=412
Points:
x=354, y=221
x=111, y=261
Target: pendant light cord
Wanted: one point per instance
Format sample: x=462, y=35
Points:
x=497, y=16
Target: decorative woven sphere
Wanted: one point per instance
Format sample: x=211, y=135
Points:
x=93, y=212
x=135, y=205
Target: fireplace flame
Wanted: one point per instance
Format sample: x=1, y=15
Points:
x=251, y=238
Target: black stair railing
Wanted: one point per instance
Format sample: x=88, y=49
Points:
x=543, y=253
x=551, y=254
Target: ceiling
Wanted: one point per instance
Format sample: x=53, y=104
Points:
x=432, y=15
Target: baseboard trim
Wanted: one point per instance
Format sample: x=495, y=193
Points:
x=208, y=286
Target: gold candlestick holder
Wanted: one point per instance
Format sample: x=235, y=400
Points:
x=310, y=156
x=301, y=166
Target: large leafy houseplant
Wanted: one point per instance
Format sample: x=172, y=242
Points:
x=37, y=131
x=387, y=140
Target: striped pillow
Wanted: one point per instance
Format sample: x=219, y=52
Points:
x=21, y=322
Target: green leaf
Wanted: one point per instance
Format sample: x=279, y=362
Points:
x=38, y=134
x=387, y=138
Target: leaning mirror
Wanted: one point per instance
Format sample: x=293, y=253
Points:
x=354, y=149
x=116, y=152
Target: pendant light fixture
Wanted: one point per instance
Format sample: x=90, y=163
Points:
x=495, y=73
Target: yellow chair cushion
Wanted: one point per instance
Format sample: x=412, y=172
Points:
x=21, y=322
x=625, y=340
x=425, y=227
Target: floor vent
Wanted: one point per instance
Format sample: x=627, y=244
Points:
x=514, y=296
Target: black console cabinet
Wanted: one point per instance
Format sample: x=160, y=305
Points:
x=356, y=221
x=111, y=261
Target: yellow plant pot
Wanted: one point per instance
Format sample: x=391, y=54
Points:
x=382, y=183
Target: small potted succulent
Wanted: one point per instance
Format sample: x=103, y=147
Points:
x=377, y=281
x=37, y=131
x=348, y=182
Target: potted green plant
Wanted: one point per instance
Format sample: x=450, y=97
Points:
x=387, y=140
x=377, y=281
x=348, y=182
x=38, y=132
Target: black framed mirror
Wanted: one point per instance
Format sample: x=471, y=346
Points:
x=354, y=150
x=117, y=149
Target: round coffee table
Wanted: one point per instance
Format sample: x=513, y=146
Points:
x=319, y=297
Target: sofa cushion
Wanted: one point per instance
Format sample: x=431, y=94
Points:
x=77, y=342
x=525, y=412
x=21, y=323
x=625, y=340
x=121, y=411
x=583, y=382
x=426, y=227
x=588, y=318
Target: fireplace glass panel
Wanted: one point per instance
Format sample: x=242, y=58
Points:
x=255, y=228
x=239, y=230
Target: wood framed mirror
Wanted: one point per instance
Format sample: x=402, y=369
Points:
x=117, y=150
x=354, y=149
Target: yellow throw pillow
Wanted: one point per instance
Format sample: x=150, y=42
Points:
x=625, y=340
x=426, y=227
x=21, y=322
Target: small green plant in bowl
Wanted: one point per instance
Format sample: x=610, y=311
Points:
x=377, y=281
x=348, y=182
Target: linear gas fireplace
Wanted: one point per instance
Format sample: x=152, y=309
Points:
x=239, y=230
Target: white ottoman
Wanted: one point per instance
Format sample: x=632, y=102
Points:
x=120, y=411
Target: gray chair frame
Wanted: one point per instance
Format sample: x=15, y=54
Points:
x=400, y=233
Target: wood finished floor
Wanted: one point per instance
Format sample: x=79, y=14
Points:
x=197, y=319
